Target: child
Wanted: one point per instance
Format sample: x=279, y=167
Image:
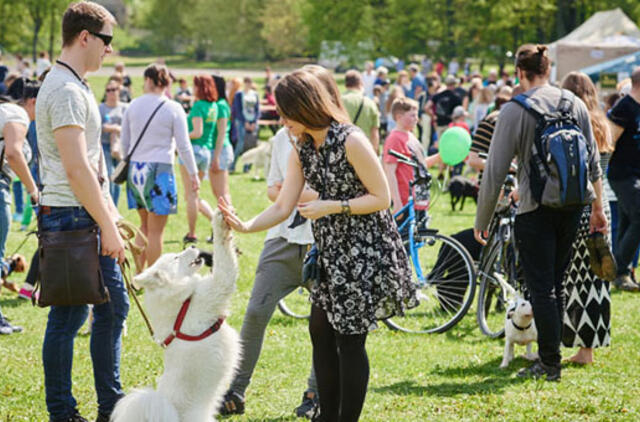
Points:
x=401, y=139
x=459, y=118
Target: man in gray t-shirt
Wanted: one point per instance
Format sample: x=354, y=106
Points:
x=76, y=196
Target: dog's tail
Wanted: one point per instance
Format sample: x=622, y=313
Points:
x=145, y=405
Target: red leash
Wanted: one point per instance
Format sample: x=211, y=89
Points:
x=176, y=327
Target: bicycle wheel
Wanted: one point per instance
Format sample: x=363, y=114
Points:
x=492, y=296
x=296, y=304
x=447, y=293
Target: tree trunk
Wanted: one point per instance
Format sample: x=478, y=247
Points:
x=37, y=24
x=52, y=30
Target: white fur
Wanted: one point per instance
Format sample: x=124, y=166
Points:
x=259, y=158
x=519, y=312
x=196, y=373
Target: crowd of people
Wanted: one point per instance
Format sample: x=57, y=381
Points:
x=332, y=181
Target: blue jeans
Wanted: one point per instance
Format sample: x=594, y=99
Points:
x=112, y=163
x=18, y=196
x=628, y=236
x=5, y=218
x=65, y=321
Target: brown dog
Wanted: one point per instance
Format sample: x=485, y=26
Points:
x=17, y=263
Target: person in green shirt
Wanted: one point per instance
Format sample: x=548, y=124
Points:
x=202, y=120
x=363, y=112
x=222, y=149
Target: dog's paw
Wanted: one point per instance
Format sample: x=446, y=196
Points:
x=531, y=356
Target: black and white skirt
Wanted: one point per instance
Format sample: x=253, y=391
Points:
x=587, y=316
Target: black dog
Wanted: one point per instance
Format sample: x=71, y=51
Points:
x=460, y=188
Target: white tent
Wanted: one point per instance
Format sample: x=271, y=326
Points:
x=603, y=37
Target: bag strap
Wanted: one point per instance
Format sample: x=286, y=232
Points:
x=529, y=105
x=144, y=129
x=565, y=105
x=355, y=119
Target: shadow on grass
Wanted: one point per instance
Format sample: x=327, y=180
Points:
x=494, y=381
x=13, y=301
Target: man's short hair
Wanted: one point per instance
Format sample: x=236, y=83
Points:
x=84, y=15
x=401, y=105
x=635, y=78
x=352, y=79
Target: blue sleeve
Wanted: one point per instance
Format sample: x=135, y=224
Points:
x=236, y=110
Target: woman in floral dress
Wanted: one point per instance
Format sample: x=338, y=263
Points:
x=366, y=272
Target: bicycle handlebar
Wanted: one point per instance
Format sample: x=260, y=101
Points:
x=403, y=158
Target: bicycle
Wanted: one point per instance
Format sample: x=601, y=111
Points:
x=444, y=271
x=498, y=269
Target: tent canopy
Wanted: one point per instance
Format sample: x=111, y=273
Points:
x=625, y=64
x=603, y=37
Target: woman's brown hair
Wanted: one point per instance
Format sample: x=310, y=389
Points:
x=301, y=97
x=325, y=77
x=205, y=88
x=581, y=85
x=159, y=74
x=533, y=60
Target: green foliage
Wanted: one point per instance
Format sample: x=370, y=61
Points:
x=283, y=29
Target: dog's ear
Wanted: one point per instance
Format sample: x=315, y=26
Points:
x=151, y=278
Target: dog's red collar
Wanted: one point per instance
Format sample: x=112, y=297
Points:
x=176, y=327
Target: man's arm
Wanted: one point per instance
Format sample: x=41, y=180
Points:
x=14, y=134
x=374, y=137
x=83, y=180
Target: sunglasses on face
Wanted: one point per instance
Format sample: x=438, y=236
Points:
x=106, y=39
x=111, y=89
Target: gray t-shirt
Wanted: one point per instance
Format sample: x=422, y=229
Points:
x=111, y=116
x=11, y=113
x=64, y=101
x=513, y=136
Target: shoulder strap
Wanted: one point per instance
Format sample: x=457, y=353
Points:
x=565, y=105
x=355, y=119
x=144, y=129
x=528, y=104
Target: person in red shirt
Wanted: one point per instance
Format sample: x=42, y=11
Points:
x=402, y=140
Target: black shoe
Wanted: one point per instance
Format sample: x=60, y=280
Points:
x=308, y=405
x=210, y=238
x=625, y=283
x=232, y=404
x=539, y=370
x=189, y=239
x=75, y=418
x=103, y=418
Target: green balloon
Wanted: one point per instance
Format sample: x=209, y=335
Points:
x=454, y=145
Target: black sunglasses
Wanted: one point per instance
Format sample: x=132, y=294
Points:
x=111, y=89
x=106, y=39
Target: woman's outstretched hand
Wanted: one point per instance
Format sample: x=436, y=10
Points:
x=230, y=216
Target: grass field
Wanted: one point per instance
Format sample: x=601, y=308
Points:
x=452, y=376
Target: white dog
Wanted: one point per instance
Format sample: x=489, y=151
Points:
x=196, y=372
x=519, y=328
x=259, y=158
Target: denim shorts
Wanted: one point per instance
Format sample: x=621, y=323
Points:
x=203, y=158
x=226, y=157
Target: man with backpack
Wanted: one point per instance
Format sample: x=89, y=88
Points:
x=549, y=130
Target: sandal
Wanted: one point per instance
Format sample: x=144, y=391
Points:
x=189, y=239
x=232, y=404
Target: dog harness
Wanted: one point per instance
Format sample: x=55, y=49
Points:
x=176, y=327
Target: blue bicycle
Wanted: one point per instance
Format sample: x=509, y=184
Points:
x=444, y=271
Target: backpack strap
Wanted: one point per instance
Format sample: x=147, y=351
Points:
x=531, y=106
x=565, y=105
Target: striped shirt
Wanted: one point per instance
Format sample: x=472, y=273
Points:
x=484, y=132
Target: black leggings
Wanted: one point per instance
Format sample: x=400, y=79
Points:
x=342, y=369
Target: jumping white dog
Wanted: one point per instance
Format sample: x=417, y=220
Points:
x=187, y=311
x=519, y=326
x=259, y=158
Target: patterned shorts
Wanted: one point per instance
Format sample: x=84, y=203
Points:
x=152, y=186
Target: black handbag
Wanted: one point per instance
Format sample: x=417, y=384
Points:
x=69, y=272
x=121, y=172
x=312, y=271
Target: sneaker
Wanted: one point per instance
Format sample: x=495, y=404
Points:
x=5, y=327
x=233, y=404
x=308, y=405
x=25, y=293
x=625, y=283
x=17, y=217
x=210, y=238
x=189, y=239
x=75, y=418
x=539, y=370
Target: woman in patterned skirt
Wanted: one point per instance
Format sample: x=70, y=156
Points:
x=587, y=316
x=366, y=271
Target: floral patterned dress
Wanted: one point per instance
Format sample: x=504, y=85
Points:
x=367, y=273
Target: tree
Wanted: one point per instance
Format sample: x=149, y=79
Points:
x=37, y=10
x=283, y=29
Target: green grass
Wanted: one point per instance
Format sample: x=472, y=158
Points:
x=188, y=62
x=451, y=376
